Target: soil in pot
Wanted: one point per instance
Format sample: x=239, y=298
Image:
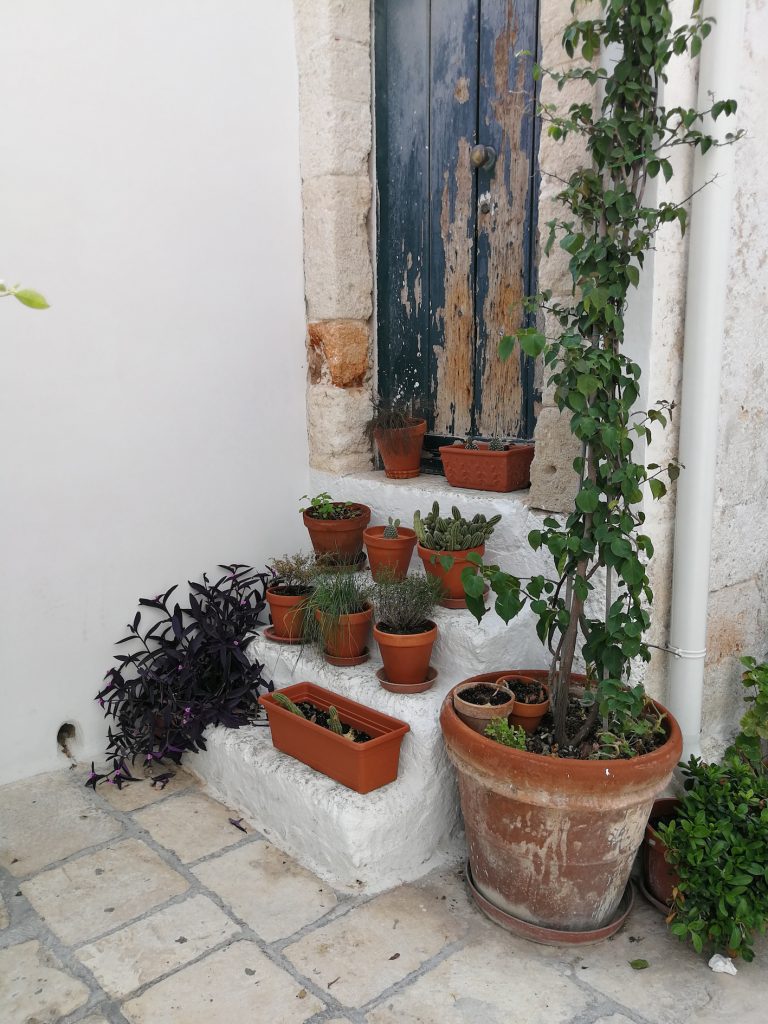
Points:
x=406, y=656
x=286, y=607
x=477, y=703
x=531, y=701
x=341, y=536
x=453, y=588
x=400, y=449
x=659, y=875
x=389, y=554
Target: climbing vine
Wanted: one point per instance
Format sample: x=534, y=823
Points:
x=606, y=228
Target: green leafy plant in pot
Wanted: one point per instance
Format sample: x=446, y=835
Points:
x=614, y=748
x=287, y=593
x=404, y=630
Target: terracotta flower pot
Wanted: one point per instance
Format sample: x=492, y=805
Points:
x=288, y=614
x=406, y=655
x=400, y=449
x=453, y=588
x=389, y=554
x=526, y=715
x=359, y=766
x=342, y=538
x=484, y=470
x=660, y=877
x=348, y=637
x=477, y=716
x=551, y=841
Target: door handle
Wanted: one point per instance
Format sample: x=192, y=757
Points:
x=482, y=157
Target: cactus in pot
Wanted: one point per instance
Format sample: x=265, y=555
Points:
x=390, y=530
x=446, y=545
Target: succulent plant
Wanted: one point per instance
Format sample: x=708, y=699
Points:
x=390, y=531
x=496, y=445
x=470, y=444
x=452, y=533
x=334, y=722
x=287, y=703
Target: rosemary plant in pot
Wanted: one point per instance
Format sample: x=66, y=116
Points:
x=404, y=630
x=551, y=853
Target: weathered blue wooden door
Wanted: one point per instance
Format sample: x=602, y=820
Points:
x=456, y=228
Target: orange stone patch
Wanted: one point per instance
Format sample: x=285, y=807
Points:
x=341, y=347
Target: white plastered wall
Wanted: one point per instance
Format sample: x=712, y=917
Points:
x=153, y=420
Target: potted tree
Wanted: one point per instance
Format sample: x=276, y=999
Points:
x=405, y=632
x=494, y=465
x=399, y=433
x=446, y=546
x=336, y=528
x=339, y=613
x=287, y=594
x=553, y=829
x=390, y=548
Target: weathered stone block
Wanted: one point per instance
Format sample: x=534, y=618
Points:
x=337, y=418
x=335, y=135
x=317, y=20
x=553, y=480
x=337, y=262
x=339, y=352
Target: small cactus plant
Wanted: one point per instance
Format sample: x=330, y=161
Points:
x=470, y=444
x=287, y=703
x=334, y=722
x=496, y=445
x=454, y=533
x=390, y=531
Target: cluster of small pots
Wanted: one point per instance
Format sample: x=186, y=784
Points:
x=477, y=704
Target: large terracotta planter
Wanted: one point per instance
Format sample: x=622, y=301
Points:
x=400, y=449
x=389, y=554
x=348, y=637
x=406, y=655
x=484, y=470
x=453, y=588
x=341, y=538
x=551, y=842
x=359, y=766
x=659, y=875
x=288, y=613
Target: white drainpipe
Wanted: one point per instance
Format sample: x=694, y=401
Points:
x=700, y=402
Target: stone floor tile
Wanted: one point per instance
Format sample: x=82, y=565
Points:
x=489, y=983
x=235, y=984
x=191, y=825
x=267, y=889
x=615, y=1018
x=48, y=818
x=142, y=793
x=4, y=918
x=94, y=1020
x=102, y=890
x=155, y=945
x=377, y=944
x=33, y=987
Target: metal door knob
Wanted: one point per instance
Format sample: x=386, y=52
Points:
x=482, y=157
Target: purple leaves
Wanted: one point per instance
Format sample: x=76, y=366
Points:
x=236, y=823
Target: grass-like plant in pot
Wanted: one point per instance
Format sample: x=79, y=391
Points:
x=336, y=527
x=404, y=629
x=586, y=795
x=339, y=613
x=446, y=545
x=182, y=669
x=390, y=548
x=398, y=427
x=287, y=593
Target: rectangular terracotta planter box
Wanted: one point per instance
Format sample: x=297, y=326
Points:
x=484, y=470
x=359, y=766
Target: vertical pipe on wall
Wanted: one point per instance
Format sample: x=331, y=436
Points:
x=702, y=358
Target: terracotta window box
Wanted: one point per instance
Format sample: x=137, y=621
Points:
x=359, y=766
x=484, y=470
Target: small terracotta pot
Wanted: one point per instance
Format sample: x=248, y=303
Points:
x=359, y=766
x=349, y=636
x=406, y=655
x=660, y=877
x=453, y=588
x=288, y=614
x=527, y=715
x=477, y=716
x=342, y=538
x=484, y=470
x=400, y=449
x=389, y=554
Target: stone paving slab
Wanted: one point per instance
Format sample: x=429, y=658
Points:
x=142, y=952
x=4, y=916
x=46, y=819
x=34, y=988
x=191, y=826
x=99, y=891
x=267, y=889
x=143, y=793
x=237, y=983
